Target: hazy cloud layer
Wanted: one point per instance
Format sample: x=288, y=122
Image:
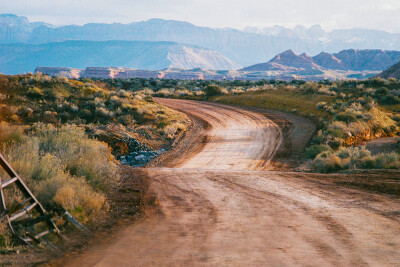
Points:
x=382, y=14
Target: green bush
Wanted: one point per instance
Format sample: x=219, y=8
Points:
x=335, y=132
x=327, y=162
x=34, y=92
x=335, y=143
x=346, y=117
x=390, y=99
x=214, y=90
x=312, y=151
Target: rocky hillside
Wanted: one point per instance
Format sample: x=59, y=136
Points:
x=392, y=72
x=346, y=60
x=244, y=47
x=287, y=61
x=21, y=58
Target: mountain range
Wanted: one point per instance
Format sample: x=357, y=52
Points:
x=346, y=60
x=245, y=47
x=23, y=57
x=392, y=72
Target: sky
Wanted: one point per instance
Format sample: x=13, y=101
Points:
x=330, y=14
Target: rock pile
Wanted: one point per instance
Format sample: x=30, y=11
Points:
x=138, y=159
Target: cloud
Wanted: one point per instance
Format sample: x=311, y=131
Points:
x=330, y=14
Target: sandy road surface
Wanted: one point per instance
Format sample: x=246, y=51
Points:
x=218, y=209
x=236, y=139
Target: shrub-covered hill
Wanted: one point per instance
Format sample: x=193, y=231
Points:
x=29, y=99
x=62, y=135
x=392, y=72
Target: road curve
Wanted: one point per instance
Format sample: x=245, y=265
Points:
x=221, y=208
x=237, y=139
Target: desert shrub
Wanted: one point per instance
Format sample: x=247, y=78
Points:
x=390, y=99
x=126, y=120
x=148, y=98
x=162, y=124
x=82, y=157
x=346, y=117
x=381, y=91
x=171, y=130
x=312, y=151
x=164, y=93
x=103, y=113
x=354, y=158
x=327, y=162
x=321, y=105
x=396, y=118
x=34, y=92
x=183, y=92
x=64, y=168
x=213, y=90
x=199, y=93
x=180, y=127
x=25, y=112
x=115, y=102
x=310, y=87
x=335, y=133
x=387, y=161
x=237, y=91
x=335, y=143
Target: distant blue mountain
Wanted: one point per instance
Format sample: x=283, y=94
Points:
x=21, y=58
x=244, y=47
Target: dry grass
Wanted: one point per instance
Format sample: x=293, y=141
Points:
x=283, y=100
x=63, y=167
x=354, y=158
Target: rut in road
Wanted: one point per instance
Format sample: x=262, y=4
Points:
x=216, y=210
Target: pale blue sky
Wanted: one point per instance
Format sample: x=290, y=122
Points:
x=331, y=14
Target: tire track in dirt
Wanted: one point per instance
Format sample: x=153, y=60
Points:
x=219, y=207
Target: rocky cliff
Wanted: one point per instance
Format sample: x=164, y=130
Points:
x=60, y=72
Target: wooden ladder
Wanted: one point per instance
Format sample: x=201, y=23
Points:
x=30, y=204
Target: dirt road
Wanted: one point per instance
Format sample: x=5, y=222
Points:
x=220, y=207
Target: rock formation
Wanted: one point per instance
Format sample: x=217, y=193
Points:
x=60, y=72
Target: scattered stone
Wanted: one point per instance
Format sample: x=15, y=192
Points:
x=140, y=158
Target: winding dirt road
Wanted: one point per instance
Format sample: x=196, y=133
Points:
x=220, y=207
